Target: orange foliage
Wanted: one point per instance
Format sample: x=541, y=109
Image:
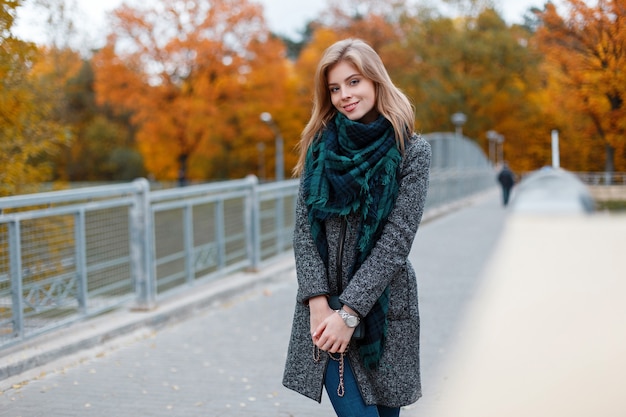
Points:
x=194, y=76
x=586, y=78
x=188, y=71
x=371, y=20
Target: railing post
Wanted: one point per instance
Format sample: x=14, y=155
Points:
x=280, y=221
x=81, y=260
x=188, y=243
x=142, y=247
x=220, y=235
x=253, y=224
x=15, y=269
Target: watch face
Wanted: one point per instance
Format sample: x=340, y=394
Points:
x=351, y=321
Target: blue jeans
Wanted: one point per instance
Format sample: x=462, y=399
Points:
x=351, y=404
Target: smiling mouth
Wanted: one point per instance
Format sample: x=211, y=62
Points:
x=350, y=107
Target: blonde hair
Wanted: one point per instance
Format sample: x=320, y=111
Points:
x=390, y=101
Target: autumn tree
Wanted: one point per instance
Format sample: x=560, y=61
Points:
x=585, y=48
x=61, y=70
x=103, y=148
x=30, y=133
x=195, y=76
x=374, y=21
x=476, y=65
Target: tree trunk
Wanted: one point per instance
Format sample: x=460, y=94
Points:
x=182, y=170
x=609, y=167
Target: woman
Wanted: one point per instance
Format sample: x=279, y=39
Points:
x=364, y=177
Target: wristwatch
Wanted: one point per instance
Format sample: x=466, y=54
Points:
x=350, y=320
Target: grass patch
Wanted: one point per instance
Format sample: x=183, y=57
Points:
x=612, y=205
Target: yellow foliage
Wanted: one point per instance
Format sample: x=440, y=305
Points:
x=29, y=133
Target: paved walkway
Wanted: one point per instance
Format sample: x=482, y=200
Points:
x=226, y=358
x=544, y=336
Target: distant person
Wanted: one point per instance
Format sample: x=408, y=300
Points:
x=364, y=177
x=506, y=178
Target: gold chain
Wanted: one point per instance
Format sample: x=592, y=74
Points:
x=341, y=390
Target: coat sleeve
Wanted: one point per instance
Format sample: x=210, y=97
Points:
x=392, y=249
x=310, y=269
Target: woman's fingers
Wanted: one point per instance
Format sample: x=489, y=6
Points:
x=332, y=335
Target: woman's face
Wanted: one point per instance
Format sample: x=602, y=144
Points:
x=351, y=93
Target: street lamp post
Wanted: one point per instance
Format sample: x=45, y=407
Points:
x=261, y=151
x=280, y=165
x=491, y=137
x=495, y=152
x=458, y=120
x=501, y=148
x=280, y=175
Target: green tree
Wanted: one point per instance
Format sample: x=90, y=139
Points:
x=103, y=148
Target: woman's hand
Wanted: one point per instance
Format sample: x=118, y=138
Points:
x=328, y=330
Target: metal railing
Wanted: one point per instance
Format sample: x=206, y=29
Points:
x=602, y=178
x=452, y=185
x=69, y=255
x=458, y=170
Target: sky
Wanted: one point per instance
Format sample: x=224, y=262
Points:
x=286, y=17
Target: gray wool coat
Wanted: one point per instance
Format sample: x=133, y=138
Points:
x=396, y=381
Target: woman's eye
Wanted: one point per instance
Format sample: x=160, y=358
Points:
x=334, y=89
x=354, y=81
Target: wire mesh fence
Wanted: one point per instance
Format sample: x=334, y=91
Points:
x=67, y=256
x=63, y=257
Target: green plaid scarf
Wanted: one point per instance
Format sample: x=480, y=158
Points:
x=353, y=168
